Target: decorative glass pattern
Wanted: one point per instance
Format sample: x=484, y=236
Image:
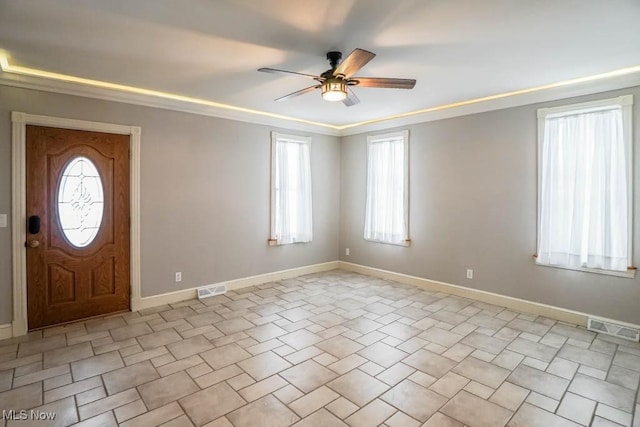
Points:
x=80, y=202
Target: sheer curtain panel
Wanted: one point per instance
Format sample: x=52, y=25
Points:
x=387, y=202
x=585, y=187
x=291, y=208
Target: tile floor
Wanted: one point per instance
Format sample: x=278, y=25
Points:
x=329, y=349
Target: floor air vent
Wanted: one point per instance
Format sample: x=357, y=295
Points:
x=211, y=291
x=620, y=331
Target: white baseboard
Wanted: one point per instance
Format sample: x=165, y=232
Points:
x=185, y=294
x=557, y=313
x=6, y=331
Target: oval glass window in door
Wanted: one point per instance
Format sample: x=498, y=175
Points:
x=80, y=201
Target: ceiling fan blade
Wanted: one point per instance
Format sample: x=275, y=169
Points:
x=275, y=71
x=351, y=99
x=384, y=82
x=298, y=93
x=352, y=63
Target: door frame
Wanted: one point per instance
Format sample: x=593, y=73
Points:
x=19, y=123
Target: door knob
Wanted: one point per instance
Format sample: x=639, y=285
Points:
x=34, y=244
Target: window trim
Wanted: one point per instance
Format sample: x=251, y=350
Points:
x=275, y=136
x=372, y=139
x=626, y=103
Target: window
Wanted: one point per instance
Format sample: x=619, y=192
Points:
x=387, y=205
x=584, y=196
x=291, y=220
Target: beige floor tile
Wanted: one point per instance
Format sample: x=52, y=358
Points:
x=26, y=397
x=440, y=420
x=382, y=354
x=509, y=396
x=313, y=401
x=226, y=355
x=288, y=394
x=181, y=421
x=375, y=413
x=342, y=408
x=400, y=331
x=449, y=385
x=108, y=403
x=475, y=412
x=308, y=376
x=96, y=365
x=130, y=331
x=300, y=339
x=265, y=332
x=262, y=388
x=322, y=418
x=67, y=354
x=64, y=410
x=264, y=365
x=41, y=345
x=414, y=400
x=158, y=339
x=72, y=389
x=627, y=360
x=211, y=403
x=538, y=381
x=485, y=342
x=156, y=417
x=167, y=389
x=129, y=377
x=232, y=326
x=130, y=410
x=539, y=351
x=601, y=391
x=267, y=411
x=189, y=347
x=395, y=374
x=576, y=408
x=482, y=372
x=103, y=420
x=583, y=356
x=532, y=416
x=430, y=363
x=40, y=375
x=358, y=387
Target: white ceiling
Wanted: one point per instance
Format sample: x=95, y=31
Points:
x=211, y=49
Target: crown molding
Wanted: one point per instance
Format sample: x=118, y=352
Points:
x=185, y=106
x=28, y=78
x=481, y=105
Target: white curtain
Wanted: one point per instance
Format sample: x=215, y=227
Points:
x=584, y=197
x=292, y=188
x=386, y=217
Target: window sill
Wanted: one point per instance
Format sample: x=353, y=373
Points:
x=629, y=274
x=274, y=242
x=405, y=243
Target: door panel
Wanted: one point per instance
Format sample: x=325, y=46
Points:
x=85, y=272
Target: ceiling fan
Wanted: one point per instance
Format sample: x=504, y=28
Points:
x=335, y=83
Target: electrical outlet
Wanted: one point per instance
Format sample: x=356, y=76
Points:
x=179, y=276
x=469, y=273
x=346, y=252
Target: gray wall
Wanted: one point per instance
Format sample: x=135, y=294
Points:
x=204, y=193
x=473, y=190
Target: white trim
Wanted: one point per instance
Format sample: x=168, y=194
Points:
x=550, y=311
x=6, y=331
x=18, y=198
x=625, y=102
x=191, y=293
x=58, y=83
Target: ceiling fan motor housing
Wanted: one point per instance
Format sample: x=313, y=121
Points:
x=334, y=58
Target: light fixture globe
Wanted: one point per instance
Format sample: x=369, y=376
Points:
x=334, y=89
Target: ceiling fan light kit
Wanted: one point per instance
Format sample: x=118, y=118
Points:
x=334, y=90
x=335, y=82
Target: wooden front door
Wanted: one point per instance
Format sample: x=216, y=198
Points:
x=77, y=200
